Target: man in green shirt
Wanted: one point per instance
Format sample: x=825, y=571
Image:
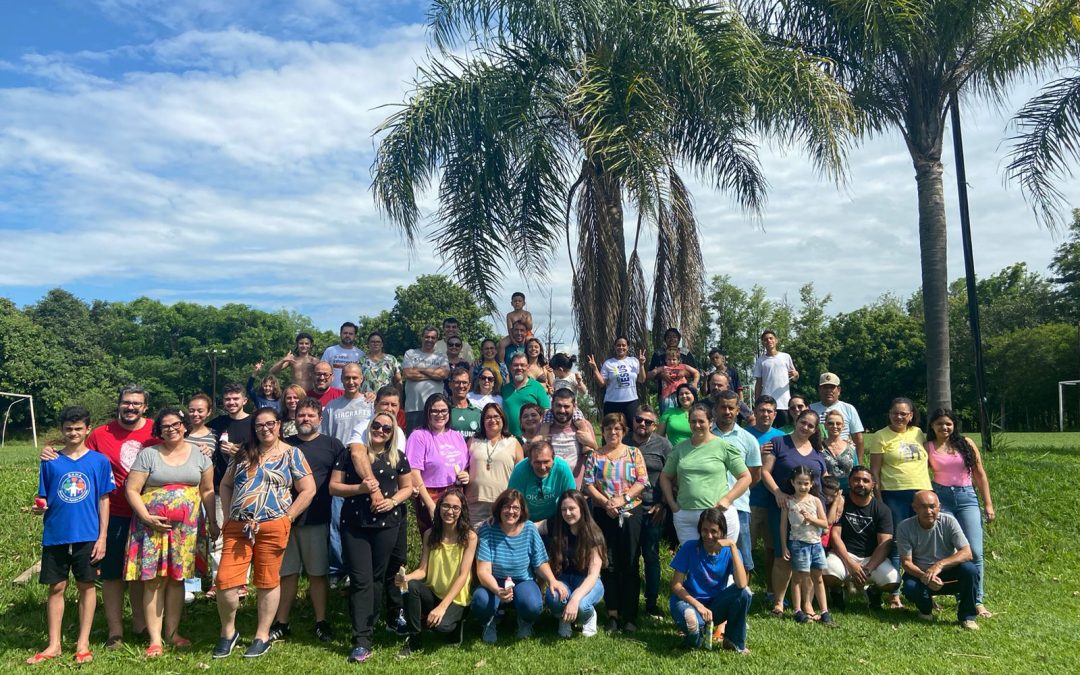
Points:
x=464, y=416
x=542, y=478
x=521, y=389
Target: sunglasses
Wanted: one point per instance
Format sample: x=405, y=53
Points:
x=487, y=378
x=385, y=428
x=645, y=421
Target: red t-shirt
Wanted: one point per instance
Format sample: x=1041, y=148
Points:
x=327, y=396
x=121, y=447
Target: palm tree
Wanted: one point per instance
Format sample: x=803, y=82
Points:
x=902, y=61
x=594, y=108
x=1048, y=135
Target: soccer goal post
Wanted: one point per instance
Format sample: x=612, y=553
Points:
x=7, y=414
x=1061, y=401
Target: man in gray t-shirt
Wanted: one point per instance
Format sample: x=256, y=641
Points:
x=936, y=559
x=424, y=370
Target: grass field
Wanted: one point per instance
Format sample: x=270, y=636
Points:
x=1033, y=586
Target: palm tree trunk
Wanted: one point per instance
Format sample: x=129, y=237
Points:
x=935, y=279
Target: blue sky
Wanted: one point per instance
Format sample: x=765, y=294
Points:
x=218, y=152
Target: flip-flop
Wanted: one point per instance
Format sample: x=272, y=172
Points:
x=983, y=612
x=777, y=612
x=40, y=657
x=179, y=641
x=153, y=651
x=82, y=658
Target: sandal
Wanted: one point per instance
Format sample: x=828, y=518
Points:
x=983, y=612
x=777, y=612
x=178, y=641
x=153, y=651
x=40, y=657
x=82, y=658
x=801, y=617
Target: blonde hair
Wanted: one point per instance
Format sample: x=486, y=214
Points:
x=390, y=449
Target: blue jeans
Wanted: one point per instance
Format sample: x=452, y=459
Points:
x=899, y=505
x=959, y=581
x=337, y=561
x=588, y=603
x=731, y=605
x=527, y=602
x=650, y=552
x=744, y=543
x=963, y=504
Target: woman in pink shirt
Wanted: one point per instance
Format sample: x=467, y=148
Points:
x=958, y=473
x=438, y=456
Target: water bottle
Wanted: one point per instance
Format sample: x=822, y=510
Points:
x=403, y=585
x=709, y=635
x=509, y=583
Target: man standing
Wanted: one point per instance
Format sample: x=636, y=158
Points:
x=760, y=497
x=542, y=478
x=464, y=416
x=454, y=355
x=307, y=549
x=656, y=371
x=654, y=448
x=774, y=371
x=936, y=558
x=302, y=363
x=233, y=429
x=324, y=376
x=450, y=329
x=860, y=543
x=513, y=344
x=344, y=352
x=571, y=435
x=424, y=370
x=829, y=395
x=521, y=389
x=726, y=411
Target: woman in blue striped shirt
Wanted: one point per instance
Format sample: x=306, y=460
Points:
x=509, y=554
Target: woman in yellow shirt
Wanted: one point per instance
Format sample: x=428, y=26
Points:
x=899, y=463
x=438, y=589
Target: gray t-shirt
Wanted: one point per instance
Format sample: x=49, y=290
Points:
x=926, y=547
x=159, y=473
x=418, y=391
x=342, y=415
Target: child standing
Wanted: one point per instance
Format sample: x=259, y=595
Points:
x=517, y=300
x=802, y=522
x=73, y=495
x=268, y=395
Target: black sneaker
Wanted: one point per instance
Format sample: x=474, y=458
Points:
x=225, y=646
x=874, y=599
x=279, y=631
x=323, y=631
x=837, y=600
x=612, y=625
x=398, y=626
x=411, y=645
x=257, y=648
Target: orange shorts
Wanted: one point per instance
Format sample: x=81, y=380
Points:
x=265, y=554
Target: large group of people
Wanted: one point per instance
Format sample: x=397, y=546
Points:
x=519, y=506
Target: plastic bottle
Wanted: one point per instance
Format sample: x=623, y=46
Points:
x=709, y=635
x=403, y=585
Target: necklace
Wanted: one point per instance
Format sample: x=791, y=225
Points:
x=489, y=450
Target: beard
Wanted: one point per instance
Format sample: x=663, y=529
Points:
x=562, y=418
x=305, y=429
x=519, y=377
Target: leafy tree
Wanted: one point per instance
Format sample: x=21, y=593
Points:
x=814, y=343
x=588, y=106
x=1066, y=265
x=903, y=62
x=1024, y=367
x=427, y=301
x=737, y=319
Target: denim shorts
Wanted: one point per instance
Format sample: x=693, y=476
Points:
x=806, y=556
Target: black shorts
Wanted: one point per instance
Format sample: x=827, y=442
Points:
x=62, y=559
x=116, y=539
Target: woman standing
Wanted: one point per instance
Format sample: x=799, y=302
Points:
x=620, y=375
x=695, y=469
x=167, y=486
x=438, y=458
x=484, y=391
x=577, y=553
x=294, y=393
x=958, y=474
x=839, y=453
x=615, y=477
x=538, y=367
x=370, y=517
x=258, y=489
x=802, y=447
x=492, y=456
x=900, y=466
x=675, y=421
x=439, y=586
x=378, y=368
x=509, y=557
x=489, y=358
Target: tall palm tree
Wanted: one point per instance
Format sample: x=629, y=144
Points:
x=1048, y=136
x=902, y=60
x=593, y=108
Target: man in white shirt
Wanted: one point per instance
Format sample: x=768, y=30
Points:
x=344, y=352
x=774, y=371
x=829, y=393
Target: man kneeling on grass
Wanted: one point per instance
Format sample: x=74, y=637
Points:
x=936, y=558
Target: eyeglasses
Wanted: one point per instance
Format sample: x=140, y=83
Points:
x=451, y=509
x=266, y=425
x=454, y=344
x=131, y=404
x=897, y=413
x=645, y=421
x=323, y=376
x=460, y=383
x=487, y=378
x=440, y=412
x=385, y=428
x=493, y=418
x=175, y=426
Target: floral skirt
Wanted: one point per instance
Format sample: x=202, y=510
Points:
x=180, y=553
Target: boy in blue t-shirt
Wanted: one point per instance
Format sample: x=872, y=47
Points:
x=73, y=495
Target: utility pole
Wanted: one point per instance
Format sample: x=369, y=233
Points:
x=213, y=353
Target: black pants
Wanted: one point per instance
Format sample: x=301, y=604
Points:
x=398, y=557
x=627, y=408
x=419, y=602
x=368, y=552
x=621, y=577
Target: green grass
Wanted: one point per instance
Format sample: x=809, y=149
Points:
x=1033, y=585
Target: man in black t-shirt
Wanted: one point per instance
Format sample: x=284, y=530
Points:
x=309, y=541
x=233, y=429
x=860, y=542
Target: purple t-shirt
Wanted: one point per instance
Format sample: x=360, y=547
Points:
x=434, y=456
x=788, y=459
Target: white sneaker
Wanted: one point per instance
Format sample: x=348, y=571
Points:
x=588, y=629
x=565, y=629
x=189, y=597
